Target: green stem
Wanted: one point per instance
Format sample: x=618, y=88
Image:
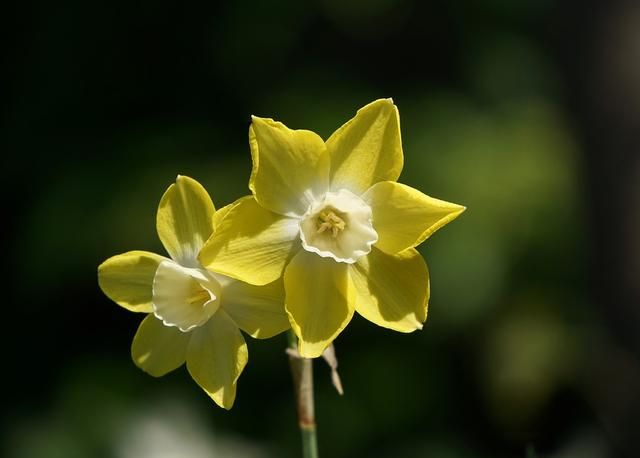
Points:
x=302, y=374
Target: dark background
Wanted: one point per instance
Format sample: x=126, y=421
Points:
x=527, y=112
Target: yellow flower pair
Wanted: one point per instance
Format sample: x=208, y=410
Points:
x=327, y=232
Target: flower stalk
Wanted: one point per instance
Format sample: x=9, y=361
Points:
x=302, y=375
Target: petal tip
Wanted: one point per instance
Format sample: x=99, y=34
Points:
x=186, y=179
x=225, y=402
x=388, y=102
x=459, y=210
x=259, y=120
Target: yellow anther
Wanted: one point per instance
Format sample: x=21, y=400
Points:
x=328, y=220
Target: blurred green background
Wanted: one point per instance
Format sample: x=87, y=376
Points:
x=527, y=112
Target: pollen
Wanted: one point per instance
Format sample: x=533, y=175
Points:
x=329, y=221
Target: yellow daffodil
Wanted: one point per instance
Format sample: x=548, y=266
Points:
x=332, y=217
x=194, y=315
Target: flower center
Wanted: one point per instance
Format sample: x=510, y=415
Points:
x=329, y=221
x=198, y=296
x=338, y=226
x=184, y=297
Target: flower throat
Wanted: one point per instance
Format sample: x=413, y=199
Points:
x=328, y=220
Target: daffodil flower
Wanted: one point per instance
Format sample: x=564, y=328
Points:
x=194, y=315
x=333, y=218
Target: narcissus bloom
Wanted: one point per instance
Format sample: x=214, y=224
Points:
x=331, y=215
x=194, y=315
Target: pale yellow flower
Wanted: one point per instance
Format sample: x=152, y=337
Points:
x=332, y=217
x=194, y=315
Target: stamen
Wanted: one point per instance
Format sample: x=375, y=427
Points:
x=199, y=297
x=328, y=220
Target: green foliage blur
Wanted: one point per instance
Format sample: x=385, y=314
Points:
x=109, y=101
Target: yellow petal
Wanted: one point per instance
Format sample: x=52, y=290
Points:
x=222, y=212
x=251, y=244
x=127, y=279
x=289, y=166
x=216, y=356
x=319, y=301
x=257, y=310
x=158, y=349
x=392, y=290
x=366, y=149
x=404, y=217
x=184, y=220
